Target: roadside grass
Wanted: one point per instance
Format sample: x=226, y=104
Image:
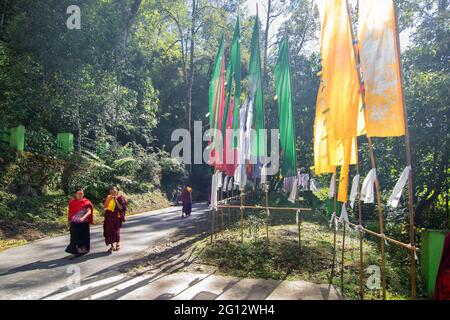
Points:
x=26, y=219
x=280, y=258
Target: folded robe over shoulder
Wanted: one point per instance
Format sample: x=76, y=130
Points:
x=76, y=206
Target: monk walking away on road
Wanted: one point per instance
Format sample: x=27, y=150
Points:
x=80, y=216
x=186, y=200
x=115, y=209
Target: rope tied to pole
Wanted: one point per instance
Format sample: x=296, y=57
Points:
x=334, y=219
x=297, y=217
x=384, y=237
x=414, y=249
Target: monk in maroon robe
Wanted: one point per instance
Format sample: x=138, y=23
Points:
x=115, y=209
x=186, y=200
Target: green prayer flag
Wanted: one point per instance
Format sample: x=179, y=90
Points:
x=256, y=93
x=288, y=161
x=236, y=62
x=229, y=88
x=234, y=76
x=215, y=87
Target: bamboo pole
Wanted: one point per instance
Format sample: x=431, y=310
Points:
x=270, y=208
x=361, y=249
x=231, y=216
x=380, y=222
x=242, y=217
x=409, y=163
x=384, y=237
x=334, y=234
x=299, y=222
x=228, y=199
x=372, y=160
x=221, y=210
x=213, y=211
x=343, y=258
x=299, y=231
x=267, y=212
x=212, y=224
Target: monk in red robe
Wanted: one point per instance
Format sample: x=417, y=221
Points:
x=80, y=216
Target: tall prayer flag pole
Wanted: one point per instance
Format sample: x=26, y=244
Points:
x=384, y=100
x=372, y=159
x=409, y=163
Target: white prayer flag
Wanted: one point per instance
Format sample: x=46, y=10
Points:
x=314, y=186
x=230, y=184
x=225, y=184
x=367, y=190
x=214, y=191
x=332, y=191
x=354, y=191
x=237, y=175
x=335, y=220
x=398, y=190
x=344, y=214
x=248, y=132
x=264, y=173
x=219, y=179
x=293, y=195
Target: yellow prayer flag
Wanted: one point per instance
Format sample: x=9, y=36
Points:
x=343, y=184
x=321, y=160
x=339, y=72
x=339, y=98
x=341, y=152
x=380, y=68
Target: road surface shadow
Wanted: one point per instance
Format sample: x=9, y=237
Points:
x=56, y=263
x=171, y=259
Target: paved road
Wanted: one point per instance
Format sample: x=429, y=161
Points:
x=196, y=286
x=41, y=269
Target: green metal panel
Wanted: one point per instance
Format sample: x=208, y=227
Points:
x=17, y=138
x=4, y=136
x=330, y=207
x=65, y=144
x=432, y=245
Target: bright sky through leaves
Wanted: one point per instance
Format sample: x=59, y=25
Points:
x=262, y=5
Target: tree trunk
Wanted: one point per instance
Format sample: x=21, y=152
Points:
x=116, y=111
x=78, y=121
x=266, y=43
x=446, y=200
x=129, y=18
x=448, y=213
x=426, y=202
x=2, y=17
x=191, y=70
x=191, y=65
